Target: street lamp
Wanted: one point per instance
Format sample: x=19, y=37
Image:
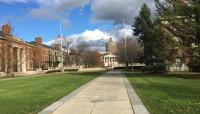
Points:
x=125, y=45
x=61, y=50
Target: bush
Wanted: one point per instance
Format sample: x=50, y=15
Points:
x=194, y=65
x=148, y=68
x=53, y=71
x=71, y=70
x=157, y=67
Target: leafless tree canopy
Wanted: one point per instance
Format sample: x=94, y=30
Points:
x=134, y=50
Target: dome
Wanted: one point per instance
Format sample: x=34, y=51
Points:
x=111, y=46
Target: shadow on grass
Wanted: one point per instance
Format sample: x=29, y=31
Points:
x=87, y=73
x=164, y=75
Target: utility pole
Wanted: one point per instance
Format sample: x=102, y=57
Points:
x=61, y=50
x=125, y=45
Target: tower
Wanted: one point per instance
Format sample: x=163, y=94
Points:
x=111, y=46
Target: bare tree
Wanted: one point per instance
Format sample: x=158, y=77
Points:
x=67, y=42
x=92, y=59
x=82, y=48
x=66, y=47
x=134, y=51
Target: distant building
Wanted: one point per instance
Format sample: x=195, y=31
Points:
x=109, y=58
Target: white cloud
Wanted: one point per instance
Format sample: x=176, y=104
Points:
x=97, y=39
x=56, y=9
x=10, y=1
x=53, y=9
x=94, y=38
x=94, y=35
x=119, y=32
x=116, y=10
x=103, y=10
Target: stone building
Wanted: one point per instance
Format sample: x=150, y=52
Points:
x=109, y=58
x=17, y=55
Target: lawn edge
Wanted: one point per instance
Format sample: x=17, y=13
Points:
x=51, y=108
x=136, y=103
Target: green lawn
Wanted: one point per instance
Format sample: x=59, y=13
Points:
x=32, y=94
x=167, y=94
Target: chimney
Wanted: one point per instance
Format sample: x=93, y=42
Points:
x=6, y=29
x=38, y=40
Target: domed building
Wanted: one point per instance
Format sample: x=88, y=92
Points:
x=109, y=58
x=111, y=46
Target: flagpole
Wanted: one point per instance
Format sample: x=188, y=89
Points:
x=125, y=45
x=61, y=51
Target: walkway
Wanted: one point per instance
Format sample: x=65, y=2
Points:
x=108, y=94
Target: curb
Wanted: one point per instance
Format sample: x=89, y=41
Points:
x=137, y=105
x=50, y=109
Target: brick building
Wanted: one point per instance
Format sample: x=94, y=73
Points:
x=45, y=57
x=17, y=55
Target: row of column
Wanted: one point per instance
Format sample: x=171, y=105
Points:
x=13, y=59
x=110, y=59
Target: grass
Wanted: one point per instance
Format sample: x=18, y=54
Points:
x=32, y=94
x=167, y=94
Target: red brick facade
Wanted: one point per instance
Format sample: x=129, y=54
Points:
x=19, y=56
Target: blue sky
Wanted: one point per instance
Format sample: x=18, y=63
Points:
x=91, y=20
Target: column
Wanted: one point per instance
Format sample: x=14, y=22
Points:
x=0, y=58
x=11, y=69
x=5, y=60
x=18, y=60
x=23, y=60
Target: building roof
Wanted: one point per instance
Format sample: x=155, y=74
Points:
x=109, y=54
x=46, y=46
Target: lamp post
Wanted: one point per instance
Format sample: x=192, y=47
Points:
x=61, y=50
x=125, y=45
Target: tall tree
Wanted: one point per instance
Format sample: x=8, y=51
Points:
x=82, y=49
x=142, y=28
x=182, y=19
x=151, y=37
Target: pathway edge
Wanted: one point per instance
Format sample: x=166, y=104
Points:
x=51, y=108
x=137, y=105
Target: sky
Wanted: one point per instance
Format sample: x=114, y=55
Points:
x=93, y=21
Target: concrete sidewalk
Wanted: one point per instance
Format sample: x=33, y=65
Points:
x=107, y=94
